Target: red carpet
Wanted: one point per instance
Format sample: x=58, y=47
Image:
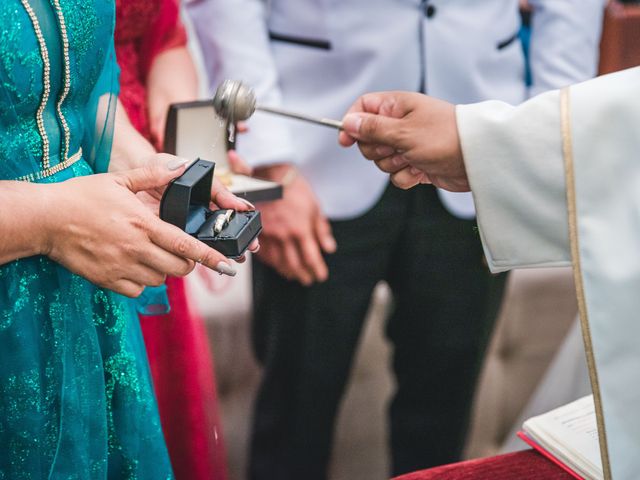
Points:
x=524, y=465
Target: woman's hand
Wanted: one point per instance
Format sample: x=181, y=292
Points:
x=103, y=232
x=131, y=150
x=410, y=136
x=224, y=199
x=221, y=198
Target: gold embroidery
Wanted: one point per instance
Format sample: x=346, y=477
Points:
x=67, y=78
x=46, y=66
x=46, y=76
x=567, y=151
x=32, y=177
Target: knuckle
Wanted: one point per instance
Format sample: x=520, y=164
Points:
x=182, y=245
x=298, y=233
x=280, y=236
x=384, y=165
x=131, y=291
x=149, y=172
x=399, y=181
x=157, y=280
x=210, y=257
x=130, y=249
x=367, y=151
x=111, y=273
x=137, y=291
x=370, y=125
x=104, y=282
x=389, y=105
x=184, y=269
x=121, y=179
x=323, y=228
x=403, y=137
x=142, y=222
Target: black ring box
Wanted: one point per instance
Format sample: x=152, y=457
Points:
x=185, y=204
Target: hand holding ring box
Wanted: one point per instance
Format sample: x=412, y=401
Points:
x=185, y=204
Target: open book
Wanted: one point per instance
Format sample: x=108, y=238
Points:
x=569, y=437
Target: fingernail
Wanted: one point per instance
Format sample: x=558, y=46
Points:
x=225, y=269
x=176, y=163
x=248, y=203
x=415, y=171
x=352, y=122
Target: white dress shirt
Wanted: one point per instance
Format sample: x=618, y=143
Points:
x=318, y=56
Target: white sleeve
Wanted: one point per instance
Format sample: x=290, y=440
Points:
x=513, y=157
x=565, y=41
x=234, y=39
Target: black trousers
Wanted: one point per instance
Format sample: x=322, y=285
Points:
x=445, y=303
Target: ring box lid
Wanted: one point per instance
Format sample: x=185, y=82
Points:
x=186, y=200
x=193, y=130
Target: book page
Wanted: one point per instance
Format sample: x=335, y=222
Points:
x=570, y=433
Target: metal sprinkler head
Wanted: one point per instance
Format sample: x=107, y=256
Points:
x=234, y=101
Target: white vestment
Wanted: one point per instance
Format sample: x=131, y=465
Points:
x=532, y=214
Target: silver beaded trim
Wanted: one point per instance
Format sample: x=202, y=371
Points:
x=46, y=75
x=67, y=77
x=32, y=177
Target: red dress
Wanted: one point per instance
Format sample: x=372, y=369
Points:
x=176, y=343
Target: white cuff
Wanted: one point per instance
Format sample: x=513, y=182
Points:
x=513, y=157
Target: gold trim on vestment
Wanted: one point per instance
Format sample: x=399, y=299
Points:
x=567, y=151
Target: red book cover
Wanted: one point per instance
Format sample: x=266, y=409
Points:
x=532, y=443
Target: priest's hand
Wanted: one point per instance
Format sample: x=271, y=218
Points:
x=411, y=136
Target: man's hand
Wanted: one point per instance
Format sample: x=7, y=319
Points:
x=238, y=165
x=295, y=231
x=172, y=78
x=410, y=136
x=102, y=231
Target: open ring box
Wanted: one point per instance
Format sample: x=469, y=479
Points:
x=194, y=130
x=186, y=202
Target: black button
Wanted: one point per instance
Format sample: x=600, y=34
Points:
x=430, y=11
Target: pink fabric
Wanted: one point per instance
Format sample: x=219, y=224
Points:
x=524, y=465
x=177, y=345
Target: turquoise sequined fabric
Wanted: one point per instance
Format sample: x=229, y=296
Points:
x=76, y=400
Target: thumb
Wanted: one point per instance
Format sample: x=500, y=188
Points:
x=373, y=129
x=153, y=175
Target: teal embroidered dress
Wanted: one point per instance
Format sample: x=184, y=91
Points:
x=76, y=401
